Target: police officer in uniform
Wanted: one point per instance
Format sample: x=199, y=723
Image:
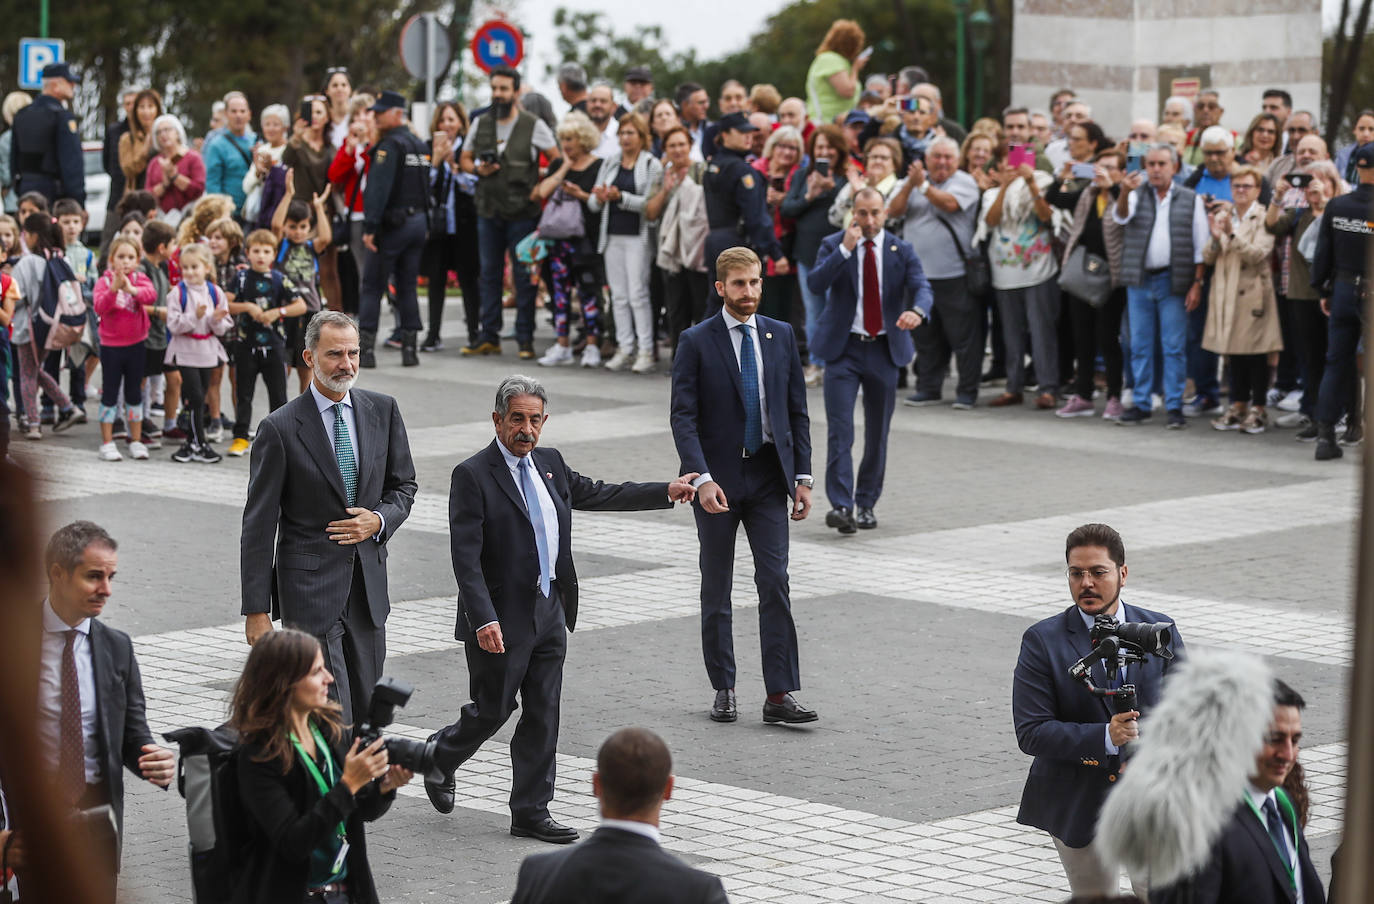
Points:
x=45, y=155
x=395, y=220
x=1339, y=273
x=736, y=205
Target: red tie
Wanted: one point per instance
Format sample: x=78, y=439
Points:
x=71, y=757
x=873, y=299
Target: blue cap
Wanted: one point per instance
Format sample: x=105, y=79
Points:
x=388, y=100
x=1363, y=155
x=854, y=116
x=60, y=70
x=737, y=121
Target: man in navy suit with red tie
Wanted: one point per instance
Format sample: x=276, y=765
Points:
x=739, y=420
x=875, y=295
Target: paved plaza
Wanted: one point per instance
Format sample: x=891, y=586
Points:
x=906, y=789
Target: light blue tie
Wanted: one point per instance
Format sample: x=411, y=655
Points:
x=536, y=513
x=343, y=454
x=749, y=381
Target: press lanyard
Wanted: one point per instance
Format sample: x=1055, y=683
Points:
x=1286, y=807
x=314, y=770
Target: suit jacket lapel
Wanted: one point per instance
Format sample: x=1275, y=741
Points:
x=504, y=479
x=366, y=427
x=1083, y=645
x=726, y=349
x=1260, y=835
x=891, y=278
x=104, y=690
x=317, y=443
x=852, y=266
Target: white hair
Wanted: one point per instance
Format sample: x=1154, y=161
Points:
x=167, y=119
x=277, y=112
x=1184, y=102
x=942, y=142
x=1217, y=135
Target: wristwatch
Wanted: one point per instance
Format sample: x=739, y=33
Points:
x=807, y=482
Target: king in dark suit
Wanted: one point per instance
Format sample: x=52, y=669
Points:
x=739, y=420
x=875, y=295
x=1074, y=735
x=510, y=519
x=1261, y=856
x=622, y=863
x=331, y=481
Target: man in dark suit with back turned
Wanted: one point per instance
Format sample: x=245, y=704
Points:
x=510, y=520
x=91, y=711
x=1261, y=856
x=1074, y=735
x=739, y=419
x=875, y=295
x=622, y=862
x=331, y=481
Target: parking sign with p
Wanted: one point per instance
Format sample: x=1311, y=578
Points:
x=34, y=54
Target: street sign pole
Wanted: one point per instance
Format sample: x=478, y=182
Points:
x=43, y=18
x=431, y=64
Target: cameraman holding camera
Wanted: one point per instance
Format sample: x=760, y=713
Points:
x=1073, y=734
x=304, y=794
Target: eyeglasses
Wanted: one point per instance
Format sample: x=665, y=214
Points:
x=1097, y=574
x=1208, y=105
x=1243, y=186
x=1216, y=152
x=1139, y=136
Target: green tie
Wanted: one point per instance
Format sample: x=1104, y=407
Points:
x=343, y=454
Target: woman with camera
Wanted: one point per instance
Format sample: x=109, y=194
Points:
x=304, y=791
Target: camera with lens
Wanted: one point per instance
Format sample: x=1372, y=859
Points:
x=417, y=756
x=1116, y=645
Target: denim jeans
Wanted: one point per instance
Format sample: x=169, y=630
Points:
x=1154, y=313
x=814, y=303
x=495, y=237
x=1202, y=364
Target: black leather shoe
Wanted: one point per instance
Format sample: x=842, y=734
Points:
x=865, y=519
x=441, y=790
x=544, y=830
x=789, y=711
x=842, y=519
x=723, y=710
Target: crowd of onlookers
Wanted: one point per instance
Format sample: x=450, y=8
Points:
x=1046, y=276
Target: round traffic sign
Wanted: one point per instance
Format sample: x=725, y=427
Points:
x=497, y=43
x=425, y=49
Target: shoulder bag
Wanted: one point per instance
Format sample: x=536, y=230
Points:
x=1086, y=276
x=976, y=270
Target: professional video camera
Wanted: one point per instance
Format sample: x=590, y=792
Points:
x=417, y=756
x=1117, y=645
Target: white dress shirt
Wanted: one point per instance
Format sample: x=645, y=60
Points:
x=862, y=250
x=1157, y=252
x=630, y=825
x=326, y=406
x=1257, y=798
x=546, y=506
x=50, y=689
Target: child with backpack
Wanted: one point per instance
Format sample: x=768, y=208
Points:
x=225, y=239
x=38, y=273
x=197, y=313
x=156, y=241
x=299, y=260
x=84, y=357
x=259, y=299
x=123, y=298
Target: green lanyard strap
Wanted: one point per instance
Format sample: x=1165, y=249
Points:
x=326, y=781
x=1286, y=806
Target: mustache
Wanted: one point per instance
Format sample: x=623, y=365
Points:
x=523, y=437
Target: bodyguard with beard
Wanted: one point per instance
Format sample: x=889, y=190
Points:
x=331, y=481
x=1074, y=736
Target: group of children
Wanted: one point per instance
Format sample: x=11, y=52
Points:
x=169, y=311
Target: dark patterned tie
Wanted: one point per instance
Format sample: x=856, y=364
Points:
x=71, y=756
x=343, y=453
x=749, y=381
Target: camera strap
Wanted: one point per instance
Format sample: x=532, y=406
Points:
x=310, y=767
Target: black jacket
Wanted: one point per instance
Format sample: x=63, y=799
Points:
x=288, y=819
x=614, y=867
x=121, y=723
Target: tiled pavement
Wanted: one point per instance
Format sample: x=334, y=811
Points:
x=906, y=790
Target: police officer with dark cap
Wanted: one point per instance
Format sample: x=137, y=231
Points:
x=45, y=155
x=1340, y=272
x=736, y=203
x=395, y=219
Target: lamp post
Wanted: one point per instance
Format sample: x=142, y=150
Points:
x=960, y=66
x=980, y=36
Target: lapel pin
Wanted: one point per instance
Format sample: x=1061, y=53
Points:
x=548, y=475
x=891, y=247
x=768, y=335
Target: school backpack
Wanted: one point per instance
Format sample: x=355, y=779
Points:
x=312, y=298
x=214, y=295
x=61, y=309
x=216, y=823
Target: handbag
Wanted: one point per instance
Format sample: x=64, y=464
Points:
x=562, y=218
x=976, y=270
x=1086, y=276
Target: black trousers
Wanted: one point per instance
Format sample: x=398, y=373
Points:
x=761, y=504
x=194, y=382
x=354, y=651
x=248, y=364
x=1249, y=379
x=533, y=669
x=1309, y=326
x=456, y=252
x=955, y=326
x=398, y=255
x=685, y=303
x=1097, y=330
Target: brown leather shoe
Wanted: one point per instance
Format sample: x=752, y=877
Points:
x=1005, y=399
x=1045, y=401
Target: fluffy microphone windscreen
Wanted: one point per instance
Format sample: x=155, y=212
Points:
x=1196, y=750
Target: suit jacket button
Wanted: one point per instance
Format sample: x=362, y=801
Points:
x=1111, y=778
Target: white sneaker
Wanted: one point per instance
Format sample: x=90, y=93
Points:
x=138, y=451
x=1156, y=402
x=1128, y=399
x=618, y=360
x=591, y=355
x=1292, y=419
x=644, y=363
x=557, y=356
x=216, y=433
x=1291, y=402
x=110, y=452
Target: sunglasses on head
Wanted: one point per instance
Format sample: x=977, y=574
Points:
x=336, y=70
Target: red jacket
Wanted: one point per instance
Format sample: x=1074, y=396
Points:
x=348, y=182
